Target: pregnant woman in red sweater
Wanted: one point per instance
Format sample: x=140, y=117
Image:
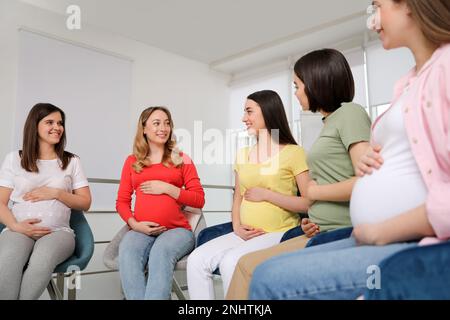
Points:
x=163, y=179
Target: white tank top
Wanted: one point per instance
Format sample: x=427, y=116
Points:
x=398, y=185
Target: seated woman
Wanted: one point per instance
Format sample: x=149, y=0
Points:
x=160, y=234
x=324, y=83
x=265, y=203
x=43, y=182
x=406, y=197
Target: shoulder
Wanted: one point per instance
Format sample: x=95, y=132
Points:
x=131, y=159
x=442, y=64
x=293, y=153
x=186, y=159
x=244, y=150
x=352, y=107
x=444, y=58
x=242, y=154
x=13, y=156
x=294, y=149
x=352, y=111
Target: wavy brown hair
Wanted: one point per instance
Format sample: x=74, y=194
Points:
x=141, y=149
x=433, y=17
x=30, y=147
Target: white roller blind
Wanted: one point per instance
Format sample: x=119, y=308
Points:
x=385, y=68
x=93, y=89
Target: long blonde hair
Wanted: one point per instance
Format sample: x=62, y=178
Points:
x=433, y=17
x=141, y=149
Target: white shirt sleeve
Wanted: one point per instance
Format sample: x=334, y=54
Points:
x=79, y=180
x=7, y=172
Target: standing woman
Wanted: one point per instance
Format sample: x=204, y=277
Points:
x=405, y=195
x=265, y=205
x=163, y=180
x=43, y=182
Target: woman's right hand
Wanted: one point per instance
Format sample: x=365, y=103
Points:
x=247, y=232
x=28, y=228
x=371, y=159
x=147, y=227
x=309, y=228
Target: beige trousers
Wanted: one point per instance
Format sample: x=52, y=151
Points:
x=242, y=276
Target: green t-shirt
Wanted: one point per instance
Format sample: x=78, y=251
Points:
x=329, y=161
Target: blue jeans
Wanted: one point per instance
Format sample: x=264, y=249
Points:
x=160, y=254
x=337, y=270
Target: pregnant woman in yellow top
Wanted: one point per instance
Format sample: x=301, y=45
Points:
x=267, y=176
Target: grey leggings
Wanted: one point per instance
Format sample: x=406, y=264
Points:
x=40, y=258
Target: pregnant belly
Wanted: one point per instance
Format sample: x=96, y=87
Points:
x=52, y=213
x=266, y=216
x=385, y=194
x=161, y=209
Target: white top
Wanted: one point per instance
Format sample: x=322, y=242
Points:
x=53, y=213
x=398, y=185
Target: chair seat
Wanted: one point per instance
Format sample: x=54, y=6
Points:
x=181, y=264
x=84, y=244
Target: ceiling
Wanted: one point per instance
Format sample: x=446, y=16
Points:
x=229, y=35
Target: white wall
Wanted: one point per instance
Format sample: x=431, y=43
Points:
x=385, y=68
x=190, y=89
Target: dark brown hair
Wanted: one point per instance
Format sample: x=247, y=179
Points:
x=274, y=114
x=433, y=17
x=328, y=79
x=30, y=147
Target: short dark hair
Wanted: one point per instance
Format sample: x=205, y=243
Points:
x=328, y=79
x=274, y=114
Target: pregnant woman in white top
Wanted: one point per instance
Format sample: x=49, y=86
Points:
x=42, y=183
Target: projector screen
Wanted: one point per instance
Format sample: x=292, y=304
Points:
x=94, y=90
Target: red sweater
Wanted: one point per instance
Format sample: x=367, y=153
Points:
x=162, y=209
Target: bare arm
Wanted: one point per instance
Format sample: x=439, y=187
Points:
x=410, y=225
x=80, y=199
x=340, y=191
x=291, y=203
x=236, y=208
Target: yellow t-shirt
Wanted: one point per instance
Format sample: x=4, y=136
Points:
x=277, y=174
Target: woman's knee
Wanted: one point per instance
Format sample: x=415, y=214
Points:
x=228, y=263
x=261, y=281
x=197, y=258
x=174, y=246
x=42, y=263
x=247, y=263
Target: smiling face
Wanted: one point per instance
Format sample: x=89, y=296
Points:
x=300, y=93
x=397, y=28
x=157, y=128
x=51, y=129
x=253, y=117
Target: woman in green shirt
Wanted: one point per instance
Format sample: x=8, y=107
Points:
x=324, y=83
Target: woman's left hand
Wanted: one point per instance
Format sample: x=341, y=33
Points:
x=256, y=194
x=41, y=194
x=155, y=187
x=368, y=234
